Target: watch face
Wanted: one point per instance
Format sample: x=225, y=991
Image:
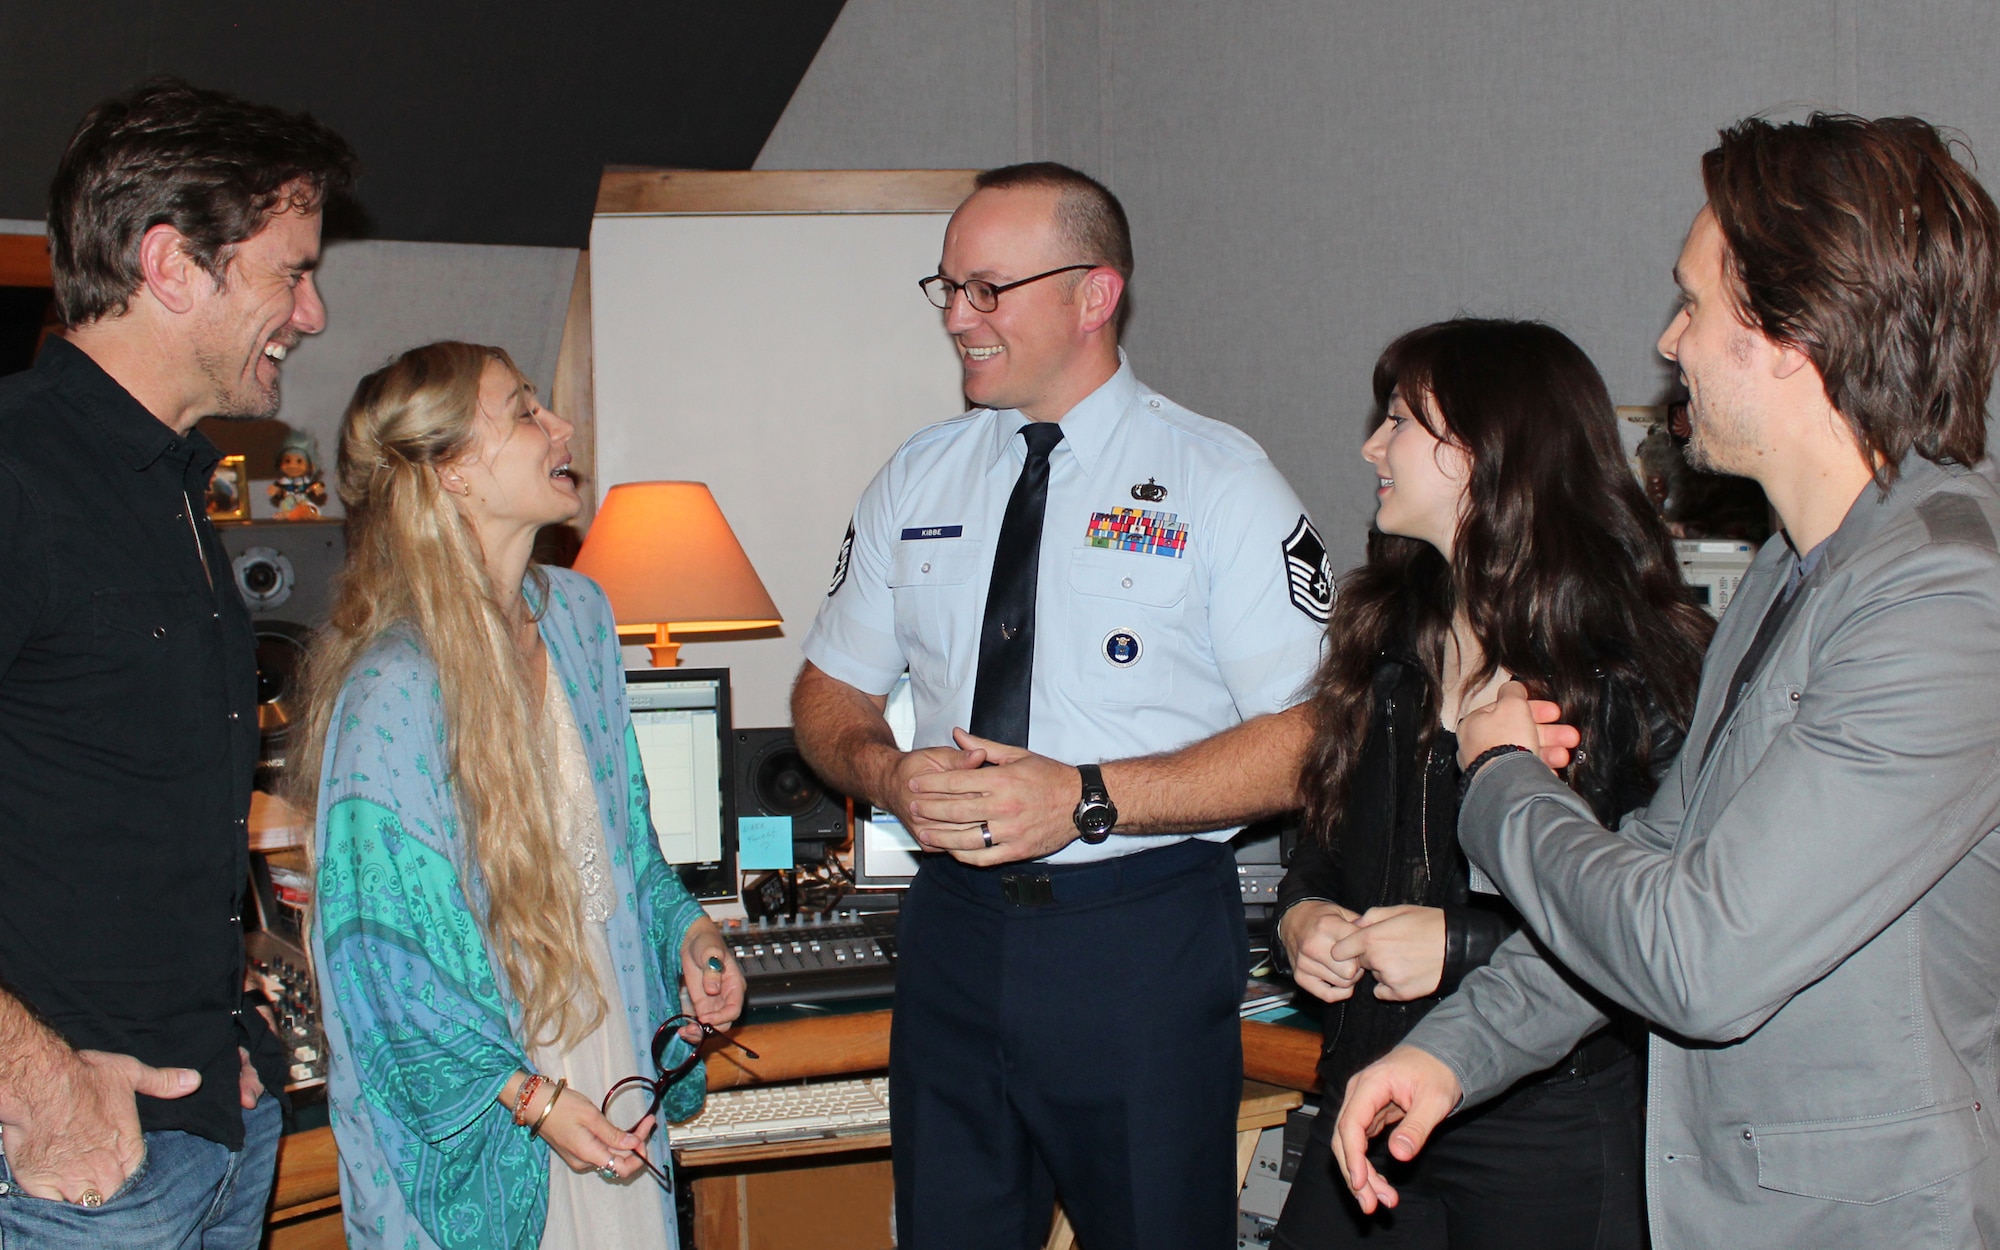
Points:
x=1096, y=817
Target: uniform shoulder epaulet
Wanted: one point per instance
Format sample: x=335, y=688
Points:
x=1219, y=434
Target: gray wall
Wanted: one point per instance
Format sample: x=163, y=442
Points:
x=384, y=297
x=1307, y=178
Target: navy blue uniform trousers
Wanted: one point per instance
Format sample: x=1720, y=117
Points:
x=1087, y=1048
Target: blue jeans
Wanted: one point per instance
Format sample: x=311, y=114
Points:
x=188, y=1194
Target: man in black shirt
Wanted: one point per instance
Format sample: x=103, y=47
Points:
x=183, y=230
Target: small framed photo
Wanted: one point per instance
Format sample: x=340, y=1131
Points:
x=229, y=491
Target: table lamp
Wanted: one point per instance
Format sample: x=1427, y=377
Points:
x=670, y=563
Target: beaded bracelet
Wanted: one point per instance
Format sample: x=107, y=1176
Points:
x=1482, y=760
x=527, y=1095
x=562, y=1083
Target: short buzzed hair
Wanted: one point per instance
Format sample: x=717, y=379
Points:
x=1089, y=218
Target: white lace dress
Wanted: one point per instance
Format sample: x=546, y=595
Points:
x=587, y=1212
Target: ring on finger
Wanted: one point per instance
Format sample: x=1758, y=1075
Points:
x=985, y=834
x=90, y=1198
x=609, y=1172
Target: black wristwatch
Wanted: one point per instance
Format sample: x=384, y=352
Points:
x=1095, y=812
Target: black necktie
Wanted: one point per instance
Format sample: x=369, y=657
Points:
x=1007, y=634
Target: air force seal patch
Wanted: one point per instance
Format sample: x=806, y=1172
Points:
x=1122, y=648
x=1309, y=571
x=846, y=554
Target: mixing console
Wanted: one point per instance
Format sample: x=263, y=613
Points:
x=281, y=970
x=815, y=959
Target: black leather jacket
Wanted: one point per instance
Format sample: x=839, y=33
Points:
x=1397, y=842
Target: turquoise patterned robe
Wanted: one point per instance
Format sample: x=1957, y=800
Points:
x=421, y=1027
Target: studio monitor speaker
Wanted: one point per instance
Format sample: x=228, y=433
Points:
x=284, y=569
x=773, y=779
x=281, y=696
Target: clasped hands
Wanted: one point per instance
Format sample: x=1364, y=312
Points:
x=1402, y=947
x=951, y=800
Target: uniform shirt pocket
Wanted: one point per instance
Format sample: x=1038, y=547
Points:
x=938, y=605
x=1125, y=625
x=1872, y=1160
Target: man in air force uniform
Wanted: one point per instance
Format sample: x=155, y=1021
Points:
x=1085, y=569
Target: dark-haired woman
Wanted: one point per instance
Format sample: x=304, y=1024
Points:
x=1512, y=543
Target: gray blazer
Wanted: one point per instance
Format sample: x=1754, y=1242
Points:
x=1808, y=912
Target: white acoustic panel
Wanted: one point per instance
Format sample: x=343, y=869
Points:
x=780, y=358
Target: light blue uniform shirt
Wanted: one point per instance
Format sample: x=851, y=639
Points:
x=1182, y=589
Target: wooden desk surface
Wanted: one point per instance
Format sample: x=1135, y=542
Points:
x=791, y=1050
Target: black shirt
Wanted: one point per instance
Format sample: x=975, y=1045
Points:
x=128, y=737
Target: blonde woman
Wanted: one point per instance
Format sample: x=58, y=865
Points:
x=496, y=935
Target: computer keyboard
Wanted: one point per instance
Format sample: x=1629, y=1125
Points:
x=777, y=1113
x=840, y=955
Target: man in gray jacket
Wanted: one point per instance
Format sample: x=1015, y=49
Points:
x=1808, y=913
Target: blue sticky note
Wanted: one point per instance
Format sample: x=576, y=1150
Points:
x=763, y=842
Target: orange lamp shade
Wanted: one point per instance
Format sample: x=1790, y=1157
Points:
x=670, y=563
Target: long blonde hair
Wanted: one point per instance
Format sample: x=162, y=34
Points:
x=413, y=559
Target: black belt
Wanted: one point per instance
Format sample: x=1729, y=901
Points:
x=1592, y=1055
x=1037, y=884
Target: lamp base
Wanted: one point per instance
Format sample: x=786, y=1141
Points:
x=666, y=652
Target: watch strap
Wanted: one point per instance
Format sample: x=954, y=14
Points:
x=1093, y=782
x=1094, y=795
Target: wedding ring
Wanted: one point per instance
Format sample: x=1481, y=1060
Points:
x=985, y=834
x=91, y=1198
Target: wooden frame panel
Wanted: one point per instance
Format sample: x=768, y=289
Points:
x=24, y=260
x=626, y=189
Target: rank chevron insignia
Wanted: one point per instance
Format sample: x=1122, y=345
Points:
x=1309, y=571
x=840, y=562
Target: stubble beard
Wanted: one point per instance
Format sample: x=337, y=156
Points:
x=236, y=398
x=1719, y=432
x=1722, y=431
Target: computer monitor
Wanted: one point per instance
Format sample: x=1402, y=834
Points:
x=681, y=719
x=885, y=855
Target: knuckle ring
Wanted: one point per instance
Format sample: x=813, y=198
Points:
x=90, y=1198
x=985, y=834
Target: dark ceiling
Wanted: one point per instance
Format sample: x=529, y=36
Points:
x=476, y=122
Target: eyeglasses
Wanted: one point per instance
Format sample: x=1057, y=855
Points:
x=981, y=294
x=663, y=1037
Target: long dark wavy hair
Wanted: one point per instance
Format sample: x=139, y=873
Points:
x=1566, y=575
